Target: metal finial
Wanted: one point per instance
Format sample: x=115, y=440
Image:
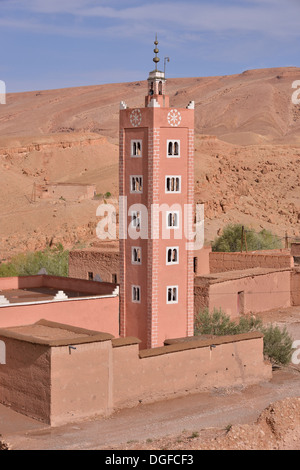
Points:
x=156, y=50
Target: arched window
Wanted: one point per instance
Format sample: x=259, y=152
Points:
x=136, y=294
x=172, y=294
x=160, y=85
x=176, y=148
x=173, y=148
x=136, y=148
x=173, y=184
x=173, y=219
x=172, y=255
x=136, y=185
x=136, y=219
x=136, y=255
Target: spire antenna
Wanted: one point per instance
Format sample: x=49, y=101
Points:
x=156, y=50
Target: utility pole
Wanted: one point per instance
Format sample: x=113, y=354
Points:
x=242, y=238
x=286, y=241
x=245, y=236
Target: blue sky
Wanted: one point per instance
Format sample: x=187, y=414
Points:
x=50, y=44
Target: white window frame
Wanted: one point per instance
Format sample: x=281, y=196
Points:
x=132, y=294
x=132, y=145
x=167, y=220
x=172, y=301
x=132, y=255
x=134, y=218
x=173, y=142
x=169, y=263
x=175, y=177
x=132, y=191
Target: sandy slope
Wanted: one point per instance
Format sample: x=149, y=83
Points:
x=250, y=108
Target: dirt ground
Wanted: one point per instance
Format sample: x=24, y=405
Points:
x=263, y=416
x=192, y=421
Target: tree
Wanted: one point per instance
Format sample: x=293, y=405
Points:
x=54, y=260
x=230, y=240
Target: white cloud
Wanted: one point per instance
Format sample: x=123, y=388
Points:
x=267, y=17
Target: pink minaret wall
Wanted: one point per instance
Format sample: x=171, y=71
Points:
x=152, y=318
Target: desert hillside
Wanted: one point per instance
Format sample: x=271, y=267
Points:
x=254, y=107
x=247, y=157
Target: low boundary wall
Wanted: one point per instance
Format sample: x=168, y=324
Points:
x=105, y=264
x=49, y=381
x=295, y=287
x=220, y=262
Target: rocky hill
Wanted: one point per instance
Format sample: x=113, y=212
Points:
x=247, y=156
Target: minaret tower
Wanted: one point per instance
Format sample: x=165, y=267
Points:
x=156, y=187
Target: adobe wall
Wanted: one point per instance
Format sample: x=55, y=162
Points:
x=201, y=297
x=202, y=264
x=94, y=314
x=103, y=263
x=220, y=262
x=25, y=379
x=70, y=192
x=81, y=382
x=261, y=293
x=58, y=385
x=295, y=287
x=173, y=370
x=106, y=263
x=295, y=249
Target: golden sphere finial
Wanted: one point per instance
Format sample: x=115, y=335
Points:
x=156, y=51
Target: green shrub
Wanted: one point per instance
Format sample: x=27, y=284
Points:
x=54, y=260
x=277, y=342
x=249, y=323
x=215, y=323
x=230, y=240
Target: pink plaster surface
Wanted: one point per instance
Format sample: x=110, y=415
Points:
x=152, y=319
x=203, y=256
x=262, y=289
x=100, y=314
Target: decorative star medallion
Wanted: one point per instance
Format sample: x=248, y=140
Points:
x=174, y=118
x=136, y=117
